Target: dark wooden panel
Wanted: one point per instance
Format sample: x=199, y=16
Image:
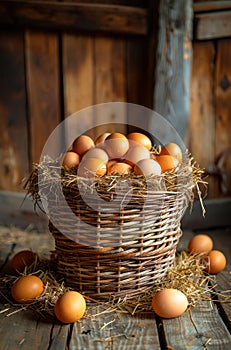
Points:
x=90, y=17
x=223, y=96
x=110, y=81
x=13, y=126
x=42, y=64
x=133, y=3
x=212, y=25
x=110, y=75
x=137, y=73
x=202, y=111
x=77, y=52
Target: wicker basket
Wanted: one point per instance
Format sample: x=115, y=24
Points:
x=103, y=251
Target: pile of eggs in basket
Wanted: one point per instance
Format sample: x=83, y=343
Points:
x=119, y=154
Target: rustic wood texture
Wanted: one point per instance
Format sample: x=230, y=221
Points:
x=94, y=73
x=49, y=75
x=210, y=118
x=77, y=16
x=223, y=115
x=173, y=66
x=203, y=327
x=123, y=332
x=200, y=328
x=202, y=108
x=13, y=126
x=110, y=80
x=140, y=82
x=212, y=25
x=42, y=63
x=78, y=72
x=205, y=6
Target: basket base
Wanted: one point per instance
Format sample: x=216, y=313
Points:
x=114, y=273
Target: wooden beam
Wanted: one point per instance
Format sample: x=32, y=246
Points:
x=206, y=6
x=212, y=25
x=173, y=63
x=74, y=16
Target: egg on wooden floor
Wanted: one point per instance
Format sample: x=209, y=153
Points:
x=70, y=307
x=169, y=303
x=216, y=262
x=200, y=243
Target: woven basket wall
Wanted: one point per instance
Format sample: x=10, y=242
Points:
x=122, y=252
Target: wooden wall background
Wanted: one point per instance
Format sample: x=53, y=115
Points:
x=48, y=71
x=210, y=105
x=48, y=74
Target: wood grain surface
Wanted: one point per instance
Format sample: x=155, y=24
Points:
x=42, y=63
x=13, y=127
x=206, y=326
x=74, y=16
x=173, y=63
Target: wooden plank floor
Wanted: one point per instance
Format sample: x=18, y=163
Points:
x=207, y=326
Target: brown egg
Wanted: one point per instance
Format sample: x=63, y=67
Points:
x=111, y=162
x=200, y=243
x=71, y=159
x=140, y=139
x=96, y=152
x=27, y=288
x=101, y=138
x=82, y=144
x=216, y=262
x=91, y=167
x=119, y=168
x=116, y=145
x=169, y=303
x=147, y=167
x=167, y=162
x=70, y=307
x=135, y=154
x=172, y=149
x=22, y=259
